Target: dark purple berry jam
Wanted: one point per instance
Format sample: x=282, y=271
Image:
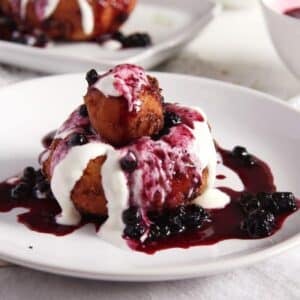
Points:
x=258, y=211
x=231, y=222
x=41, y=212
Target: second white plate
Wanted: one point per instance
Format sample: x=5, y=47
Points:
x=170, y=23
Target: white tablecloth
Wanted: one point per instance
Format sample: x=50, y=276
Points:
x=235, y=48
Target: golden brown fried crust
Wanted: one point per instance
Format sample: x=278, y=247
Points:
x=88, y=195
x=66, y=23
x=89, y=198
x=181, y=187
x=110, y=117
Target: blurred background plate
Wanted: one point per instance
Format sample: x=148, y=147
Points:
x=170, y=23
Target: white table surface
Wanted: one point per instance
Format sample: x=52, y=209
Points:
x=236, y=48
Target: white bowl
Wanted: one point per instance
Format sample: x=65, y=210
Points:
x=285, y=33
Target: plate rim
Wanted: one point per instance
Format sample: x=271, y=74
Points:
x=165, y=272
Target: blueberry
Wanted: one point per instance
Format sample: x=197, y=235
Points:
x=39, y=176
x=180, y=211
x=118, y=36
x=43, y=186
x=157, y=232
x=195, y=217
x=29, y=174
x=134, y=231
x=41, y=40
x=129, y=162
x=259, y=224
x=37, y=194
x=165, y=230
x=249, y=160
x=239, y=152
x=242, y=154
x=250, y=203
x=163, y=132
x=20, y=190
x=171, y=119
x=267, y=202
x=176, y=224
x=155, y=216
x=137, y=40
x=286, y=201
x=77, y=139
x=154, y=233
x=131, y=216
x=91, y=77
x=83, y=112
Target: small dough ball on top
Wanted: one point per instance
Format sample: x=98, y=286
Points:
x=124, y=104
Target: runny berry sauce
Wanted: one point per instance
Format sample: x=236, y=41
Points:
x=225, y=223
x=41, y=213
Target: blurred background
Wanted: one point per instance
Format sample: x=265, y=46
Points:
x=234, y=47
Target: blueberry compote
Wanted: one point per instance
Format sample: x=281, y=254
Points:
x=32, y=191
x=256, y=212
x=133, y=40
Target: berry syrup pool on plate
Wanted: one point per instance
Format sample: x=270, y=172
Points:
x=256, y=212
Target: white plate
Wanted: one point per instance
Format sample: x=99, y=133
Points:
x=171, y=24
x=268, y=127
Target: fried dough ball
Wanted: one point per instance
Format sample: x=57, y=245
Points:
x=89, y=198
x=111, y=119
x=88, y=195
x=69, y=16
